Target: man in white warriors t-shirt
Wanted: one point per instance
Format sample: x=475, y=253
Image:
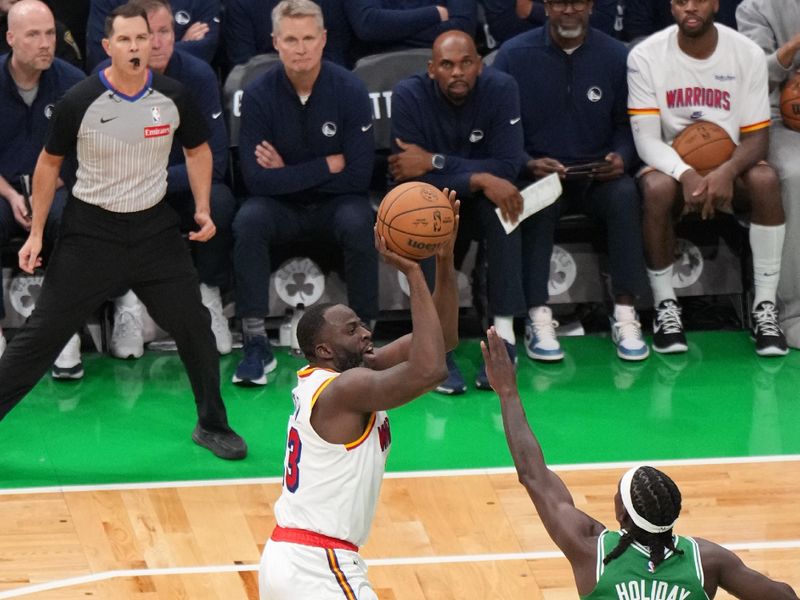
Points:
x=694, y=71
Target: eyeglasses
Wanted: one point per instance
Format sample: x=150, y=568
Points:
x=561, y=5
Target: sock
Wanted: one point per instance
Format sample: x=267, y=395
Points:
x=127, y=300
x=661, y=285
x=624, y=312
x=505, y=328
x=766, y=242
x=252, y=327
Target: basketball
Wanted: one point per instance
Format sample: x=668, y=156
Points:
x=790, y=103
x=415, y=218
x=704, y=146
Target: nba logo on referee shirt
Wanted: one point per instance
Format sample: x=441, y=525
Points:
x=156, y=115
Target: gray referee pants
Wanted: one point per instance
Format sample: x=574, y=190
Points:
x=99, y=252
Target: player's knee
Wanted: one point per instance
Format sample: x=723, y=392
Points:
x=659, y=193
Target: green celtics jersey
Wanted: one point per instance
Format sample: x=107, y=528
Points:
x=631, y=576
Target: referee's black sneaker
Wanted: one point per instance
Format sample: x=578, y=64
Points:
x=767, y=334
x=668, y=336
x=224, y=444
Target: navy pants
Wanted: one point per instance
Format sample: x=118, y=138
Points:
x=346, y=221
x=97, y=253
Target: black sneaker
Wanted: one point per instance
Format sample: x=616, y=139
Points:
x=224, y=444
x=769, y=338
x=668, y=336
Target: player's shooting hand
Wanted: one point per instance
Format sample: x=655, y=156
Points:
x=499, y=368
x=207, y=228
x=412, y=161
x=30, y=254
x=196, y=31
x=20, y=211
x=504, y=195
x=613, y=168
x=541, y=167
x=267, y=156
x=446, y=249
x=402, y=264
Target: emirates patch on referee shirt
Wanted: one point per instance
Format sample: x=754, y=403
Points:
x=156, y=131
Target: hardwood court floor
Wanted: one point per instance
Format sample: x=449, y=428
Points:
x=474, y=535
x=478, y=533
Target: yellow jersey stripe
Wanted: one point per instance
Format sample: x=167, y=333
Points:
x=364, y=435
x=754, y=127
x=643, y=111
x=333, y=563
x=319, y=391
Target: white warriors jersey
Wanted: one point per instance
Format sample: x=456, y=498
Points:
x=729, y=88
x=328, y=488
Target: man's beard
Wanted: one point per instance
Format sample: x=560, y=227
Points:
x=344, y=361
x=570, y=34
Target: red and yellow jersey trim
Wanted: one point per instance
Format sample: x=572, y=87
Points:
x=643, y=111
x=320, y=389
x=341, y=579
x=308, y=370
x=754, y=126
x=364, y=436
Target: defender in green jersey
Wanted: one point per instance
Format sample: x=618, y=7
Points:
x=645, y=560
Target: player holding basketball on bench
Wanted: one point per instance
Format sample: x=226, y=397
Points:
x=698, y=70
x=338, y=435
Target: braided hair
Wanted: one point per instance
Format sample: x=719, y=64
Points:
x=655, y=497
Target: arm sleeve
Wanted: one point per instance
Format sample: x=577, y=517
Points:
x=208, y=12
x=753, y=24
x=193, y=129
x=371, y=23
x=463, y=15
x=646, y=121
x=256, y=127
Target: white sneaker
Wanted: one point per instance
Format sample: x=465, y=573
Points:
x=219, y=323
x=2, y=344
x=541, y=342
x=626, y=332
x=68, y=365
x=127, y=340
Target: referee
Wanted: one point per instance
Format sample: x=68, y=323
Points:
x=116, y=233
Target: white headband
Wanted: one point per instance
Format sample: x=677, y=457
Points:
x=638, y=520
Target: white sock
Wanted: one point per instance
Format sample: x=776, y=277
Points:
x=505, y=328
x=624, y=312
x=661, y=285
x=127, y=300
x=766, y=242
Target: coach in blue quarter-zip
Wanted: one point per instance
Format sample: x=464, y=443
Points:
x=574, y=118
x=458, y=126
x=307, y=153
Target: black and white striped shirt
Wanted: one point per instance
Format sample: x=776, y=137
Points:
x=123, y=142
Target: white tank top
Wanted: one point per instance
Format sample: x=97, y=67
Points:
x=330, y=489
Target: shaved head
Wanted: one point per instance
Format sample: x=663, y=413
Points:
x=21, y=11
x=454, y=39
x=455, y=65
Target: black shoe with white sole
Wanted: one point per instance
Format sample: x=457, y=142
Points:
x=767, y=334
x=668, y=336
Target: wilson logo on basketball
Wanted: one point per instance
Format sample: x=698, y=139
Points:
x=156, y=131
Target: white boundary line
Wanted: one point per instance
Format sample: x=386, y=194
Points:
x=377, y=562
x=404, y=474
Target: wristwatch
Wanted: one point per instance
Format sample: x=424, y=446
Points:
x=437, y=161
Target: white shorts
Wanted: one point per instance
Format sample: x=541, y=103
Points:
x=291, y=571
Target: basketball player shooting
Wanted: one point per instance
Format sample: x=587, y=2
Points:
x=338, y=434
x=699, y=70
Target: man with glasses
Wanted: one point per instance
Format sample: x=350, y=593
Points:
x=572, y=80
